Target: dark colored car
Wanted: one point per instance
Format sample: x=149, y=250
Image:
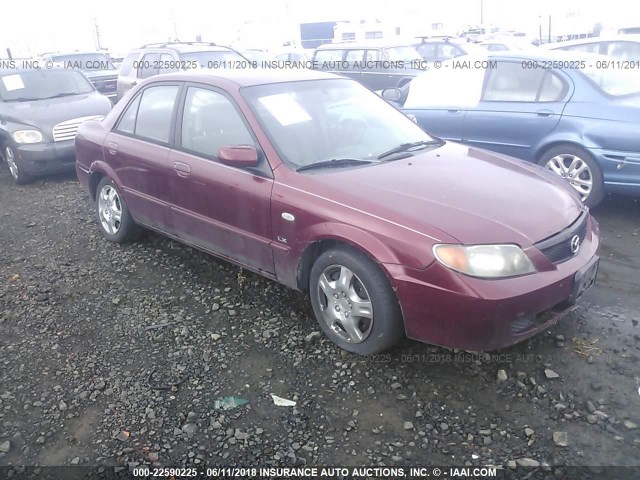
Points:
x=96, y=66
x=156, y=58
x=619, y=47
x=314, y=181
x=440, y=49
x=374, y=65
x=40, y=111
x=562, y=111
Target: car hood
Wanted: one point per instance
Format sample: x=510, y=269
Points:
x=44, y=114
x=469, y=194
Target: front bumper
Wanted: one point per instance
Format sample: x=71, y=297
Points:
x=445, y=308
x=44, y=158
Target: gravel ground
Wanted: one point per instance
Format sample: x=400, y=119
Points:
x=116, y=355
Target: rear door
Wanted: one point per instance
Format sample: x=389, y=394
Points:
x=138, y=150
x=222, y=209
x=518, y=108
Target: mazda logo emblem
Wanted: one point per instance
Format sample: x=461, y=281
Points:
x=575, y=244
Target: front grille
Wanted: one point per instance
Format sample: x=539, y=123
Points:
x=67, y=130
x=557, y=248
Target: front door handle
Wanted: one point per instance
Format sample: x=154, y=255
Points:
x=182, y=169
x=112, y=147
x=453, y=110
x=544, y=113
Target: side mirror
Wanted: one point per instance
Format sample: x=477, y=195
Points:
x=241, y=156
x=392, y=94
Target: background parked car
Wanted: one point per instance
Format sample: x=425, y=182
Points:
x=96, y=66
x=312, y=180
x=155, y=58
x=620, y=47
x=387, y=65
x=439, y=49
x=40, y=111
x=581, y=123
x=292, y=55
x=507, y=44
x=256, y=55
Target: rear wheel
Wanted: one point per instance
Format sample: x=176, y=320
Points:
x=354, y=302
x=16, y=170
x=577, y=167
x=113, y=214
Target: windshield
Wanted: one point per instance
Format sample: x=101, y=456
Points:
x=320, y=120
x=42, y=84
x=406, y=54
x=85, y=61
x=613, y=81
x=211, y=59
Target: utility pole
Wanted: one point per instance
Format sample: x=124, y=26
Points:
x=95, y=24
x=481, y=12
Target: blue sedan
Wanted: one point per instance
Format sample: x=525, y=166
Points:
x=578, y=116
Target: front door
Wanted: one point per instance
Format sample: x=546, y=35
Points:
x=222, y=209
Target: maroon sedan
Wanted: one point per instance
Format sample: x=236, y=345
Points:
x=314, y=181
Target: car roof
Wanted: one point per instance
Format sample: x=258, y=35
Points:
x=372, y=44
x=183, y=47
x=632, y=37
x=537, y=54
x=247, y=77
x=66, y=54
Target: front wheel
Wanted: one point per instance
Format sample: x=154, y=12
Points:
x=354, y=302
x=114, y=218
x=577, y=167
x=16, y=170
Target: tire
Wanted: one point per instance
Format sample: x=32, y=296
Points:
x=113, y=215
x=380, y=326
x=15, y=169
x=559, y=159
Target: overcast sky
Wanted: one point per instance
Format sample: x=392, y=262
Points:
x=37, y=26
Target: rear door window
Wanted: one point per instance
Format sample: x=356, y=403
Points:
x=509, y=82
x=150, y=114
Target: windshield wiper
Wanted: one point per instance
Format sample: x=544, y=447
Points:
x=58, y=95
x=404, y=147
x=335, y=162
x=23, y=99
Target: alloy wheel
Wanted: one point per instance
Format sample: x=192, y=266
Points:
x=110, y=209
x=574, y=170
x=345, y=304
x=11, y=162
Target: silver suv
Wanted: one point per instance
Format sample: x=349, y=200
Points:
x=155, y=58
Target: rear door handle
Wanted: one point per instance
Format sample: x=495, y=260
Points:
x=112, y=147
x=133, y=84
x=544, y=113
x=453, y=110
x=182, y=169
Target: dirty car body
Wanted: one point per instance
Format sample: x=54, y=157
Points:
x=317, y=168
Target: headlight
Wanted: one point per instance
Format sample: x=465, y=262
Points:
x=27, y=136
x=487, y=261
